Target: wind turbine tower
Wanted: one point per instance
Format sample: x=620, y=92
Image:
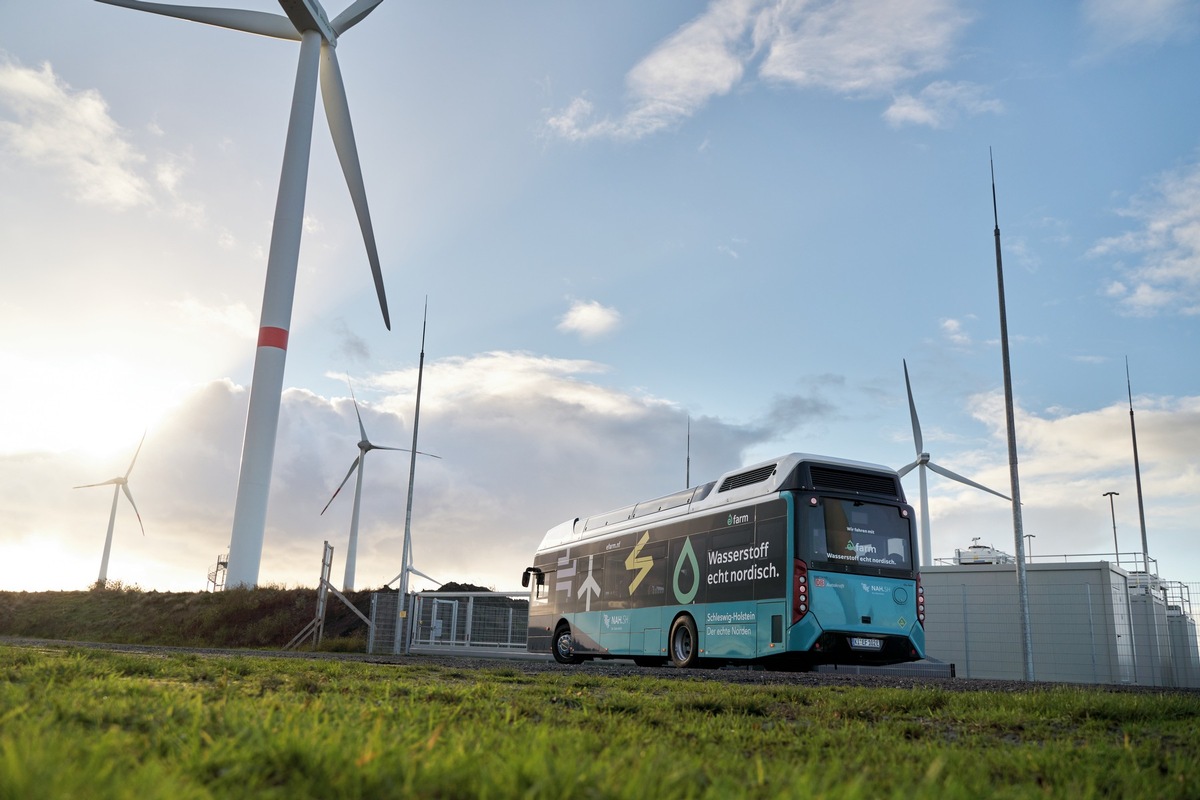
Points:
x=922, y=463
x=306, y=22
x=119, y=484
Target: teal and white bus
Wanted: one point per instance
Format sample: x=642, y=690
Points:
x=794, y=562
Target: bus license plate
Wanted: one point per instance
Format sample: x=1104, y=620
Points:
x=863, y=643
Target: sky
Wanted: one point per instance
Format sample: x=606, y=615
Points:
x=629, y=220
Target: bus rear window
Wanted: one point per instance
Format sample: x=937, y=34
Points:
x=857, y=534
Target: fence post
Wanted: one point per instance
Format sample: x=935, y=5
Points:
x=470, y=619
x=966, y=630
x=371, y=627
x=1091, y=629
x=1132, y=635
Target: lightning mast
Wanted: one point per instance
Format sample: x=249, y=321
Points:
x=1137, y=473
x=406, y=560
x=1018, y=528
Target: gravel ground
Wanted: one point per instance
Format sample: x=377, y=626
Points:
x=612, y=668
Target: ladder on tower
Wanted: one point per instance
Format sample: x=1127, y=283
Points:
x=216, y=575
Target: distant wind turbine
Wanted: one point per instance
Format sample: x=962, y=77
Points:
x=305, y=22
x=364, y=446
x=922, y=462
x=119, y=484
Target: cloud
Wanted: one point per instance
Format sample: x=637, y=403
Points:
x=702, y=59
x=940, y=104
x=236, y=318
x=526, y=441
x=1165, y=277
x=351, y=346
x=1125, y=23
x=856, y=47
x=70, y=131
x=1061, y=452
x=1067, y=462
x=589, y=319
x=953, y=330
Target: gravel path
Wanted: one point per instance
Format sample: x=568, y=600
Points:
x=611, y=668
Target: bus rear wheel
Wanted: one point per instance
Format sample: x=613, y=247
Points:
x=682, y=643
x=564, y=646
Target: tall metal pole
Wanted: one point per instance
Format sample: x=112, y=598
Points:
x=1018, y=528
x=687, y=479
x=1112, y=509
x=406, y=560
x=1137, y=473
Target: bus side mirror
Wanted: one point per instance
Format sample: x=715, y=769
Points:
x=540, y=577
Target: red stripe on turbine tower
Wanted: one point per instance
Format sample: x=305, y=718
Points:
x=272, y=337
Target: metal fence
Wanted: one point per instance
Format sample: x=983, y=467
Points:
x=1090, y=623
x=493, y=623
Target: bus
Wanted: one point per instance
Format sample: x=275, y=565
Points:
x=791, y=563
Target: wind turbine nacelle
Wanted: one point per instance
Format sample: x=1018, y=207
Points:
x=307, y=15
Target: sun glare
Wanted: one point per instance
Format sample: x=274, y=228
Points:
x=98, y=407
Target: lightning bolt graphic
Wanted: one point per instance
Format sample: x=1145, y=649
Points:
x=643, y=563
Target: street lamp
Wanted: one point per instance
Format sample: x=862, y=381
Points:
x=1112, y=510
x=1029, y=546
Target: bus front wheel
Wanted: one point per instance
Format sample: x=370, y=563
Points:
x=684, y=648
x=564, y=646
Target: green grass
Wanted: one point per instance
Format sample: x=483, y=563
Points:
x=88, y=723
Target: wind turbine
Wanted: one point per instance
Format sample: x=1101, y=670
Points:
x=305, y=21
x=119, y=484
x=923, y=462
x=364, y=446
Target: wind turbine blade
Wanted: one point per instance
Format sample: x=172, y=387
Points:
x=262, y=23
x=105, y=483
x=135, y=455
x=907, y=468
x=129, y=494
x=912, y=410
x=337, y=112
x=955, y=476
x=361, y=429
x=403, y=450
x=343, y=483
x=353, y=15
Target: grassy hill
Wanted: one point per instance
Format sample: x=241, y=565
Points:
x=265, y=617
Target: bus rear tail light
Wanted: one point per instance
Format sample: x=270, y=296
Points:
x=800, y=604
x=920, y=602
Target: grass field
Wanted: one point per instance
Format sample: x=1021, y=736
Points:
x=82, y=723
x=262, y=617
